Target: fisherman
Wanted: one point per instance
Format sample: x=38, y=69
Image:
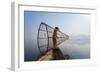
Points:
x=56, y=29
x=55, y=49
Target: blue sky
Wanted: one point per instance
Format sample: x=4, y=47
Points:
x=74, y=24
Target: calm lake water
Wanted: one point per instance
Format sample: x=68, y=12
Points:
x=77, y=47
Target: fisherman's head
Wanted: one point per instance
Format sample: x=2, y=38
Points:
x=56, y=28
x=43, y=23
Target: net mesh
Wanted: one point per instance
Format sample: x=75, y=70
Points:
x=45, y=37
